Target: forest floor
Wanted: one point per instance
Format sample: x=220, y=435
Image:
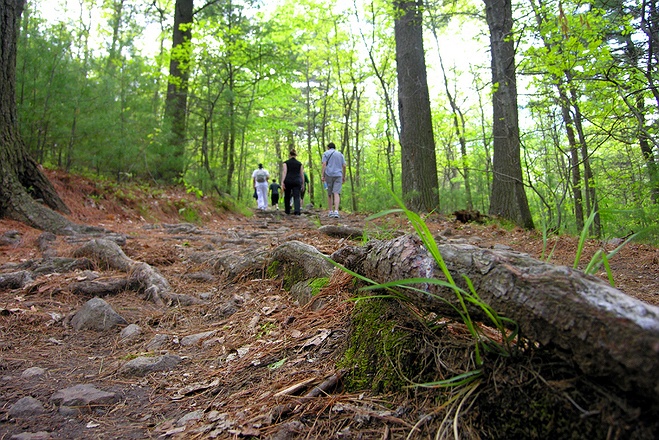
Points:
x=259, y=341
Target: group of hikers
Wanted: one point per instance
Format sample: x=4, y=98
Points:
x=294, y=182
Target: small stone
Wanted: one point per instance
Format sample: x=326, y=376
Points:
x=26, y=407
x=32, y=372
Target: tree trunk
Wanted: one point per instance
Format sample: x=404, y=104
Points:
x=171, y=165
x=508, y=195
x=638, y=107
x=21, y=181
x=575, y=171
x=419, y=163
x=606, y=333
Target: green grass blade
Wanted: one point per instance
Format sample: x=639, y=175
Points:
x=605, y=261
x=455, y=381
x=582, y=238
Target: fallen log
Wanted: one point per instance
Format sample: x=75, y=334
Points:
x=609, y=335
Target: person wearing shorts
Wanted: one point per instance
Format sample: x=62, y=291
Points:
x=333, y=175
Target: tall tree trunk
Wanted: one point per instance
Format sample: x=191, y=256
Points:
x=651, y=162
x=419, y=162
x=348, y=101
x=231, y=110
x=309, y=129
x=508, y=195
x=355, y=176
x=21, y=180
x=173, y=155
x=485, y=140
x=575, y=170
x=115, y=45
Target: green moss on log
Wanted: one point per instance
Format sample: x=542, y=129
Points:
x=385, y=352
x=272, y=271
x=289, y=273
x=317, y=284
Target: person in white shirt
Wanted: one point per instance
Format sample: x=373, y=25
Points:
x=260, y=178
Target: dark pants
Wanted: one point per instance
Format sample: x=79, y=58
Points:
x=292, y=189
x=274, y=199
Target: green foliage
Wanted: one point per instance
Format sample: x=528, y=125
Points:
x=189, y=215
x=275, y=365
x=265, y=329
x=383, y=230
x=262, y=81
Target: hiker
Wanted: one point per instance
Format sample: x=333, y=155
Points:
x=274, y=193
x=260, y=178
x=333, y=175
x=292, y=179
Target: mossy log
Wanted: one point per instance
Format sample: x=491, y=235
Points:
x=609, y=335
x=295, y=261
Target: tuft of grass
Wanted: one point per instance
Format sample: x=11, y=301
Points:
x=395, y=289
x=600, y=258
x=463, y=296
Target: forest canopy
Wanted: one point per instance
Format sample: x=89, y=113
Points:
x=105, y=88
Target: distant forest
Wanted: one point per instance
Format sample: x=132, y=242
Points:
x=543, y=112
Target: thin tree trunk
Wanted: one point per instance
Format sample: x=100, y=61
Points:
x=390, y=117
x=459, y=125
x=575, y=174
x=589, y=180
x=309, y=129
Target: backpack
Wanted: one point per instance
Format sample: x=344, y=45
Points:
x=261, y=176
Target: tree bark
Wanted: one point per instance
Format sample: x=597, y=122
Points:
x=606, y=333
x=508, y=195
x=176, y=106
x=21, y=181
x=419, y=163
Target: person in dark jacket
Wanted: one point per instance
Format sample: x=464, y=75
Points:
x=291, y=182
x=274, y=194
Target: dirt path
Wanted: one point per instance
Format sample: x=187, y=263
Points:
x=247, y=352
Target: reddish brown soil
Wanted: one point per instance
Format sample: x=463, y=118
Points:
x=242, y=391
